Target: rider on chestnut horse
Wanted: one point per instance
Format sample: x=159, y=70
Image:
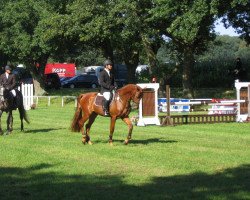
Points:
x=87, y=111
x=108, y=84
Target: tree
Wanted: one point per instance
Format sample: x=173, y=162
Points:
x=236, y=13
x=189, y=25
x=109, y=26
x=19, y=20
x=22, y=32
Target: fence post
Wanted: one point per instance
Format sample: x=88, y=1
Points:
x=27, y=92
x=167, y=120
x=75, y=102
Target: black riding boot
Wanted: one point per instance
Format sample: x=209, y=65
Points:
x=14, y=103
x=106, y=107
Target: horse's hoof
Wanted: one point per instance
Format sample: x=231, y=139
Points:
x=84, y=141
x=90, y=143
x=126, y=142
x=111, y=144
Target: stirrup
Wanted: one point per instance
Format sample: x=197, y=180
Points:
x=106, y=113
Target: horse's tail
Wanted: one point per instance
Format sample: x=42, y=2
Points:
x=78, y=115
x=22, y=111
x=23, y=114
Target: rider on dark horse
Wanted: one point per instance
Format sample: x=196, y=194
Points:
x=108, y=84
x=8, y=81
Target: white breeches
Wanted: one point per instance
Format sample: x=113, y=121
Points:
x=13, y=92
x=106, y=95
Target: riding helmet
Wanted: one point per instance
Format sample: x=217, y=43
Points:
x=7, y=67
x=107, y=62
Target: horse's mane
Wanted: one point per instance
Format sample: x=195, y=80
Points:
x=126, y=89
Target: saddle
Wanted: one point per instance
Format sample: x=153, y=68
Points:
x=9, y=99
x=99, y=99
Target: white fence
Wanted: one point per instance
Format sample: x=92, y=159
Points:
x=27, y=91
x=28, y=97
x=51, y=97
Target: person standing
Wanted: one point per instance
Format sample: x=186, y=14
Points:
x=240, y=72
x=2, y=70
x=8, y=82
x=107, y=83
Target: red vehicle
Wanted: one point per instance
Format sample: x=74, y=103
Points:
x=62, y=69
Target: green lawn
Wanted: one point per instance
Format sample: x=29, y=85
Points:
x=47, y=161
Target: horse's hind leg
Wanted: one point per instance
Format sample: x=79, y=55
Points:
x=81, y=124
x=1, y=131
x=9, y=122
x=130, y=129
x=88, y=126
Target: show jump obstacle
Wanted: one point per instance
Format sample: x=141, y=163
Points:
x=222, y=111
x=148, y=106
x=243, y=94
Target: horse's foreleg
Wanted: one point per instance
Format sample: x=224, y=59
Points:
x=1, y=131
x=88, y=126
x=112, y=128
x=9, y=122
x=130, y=129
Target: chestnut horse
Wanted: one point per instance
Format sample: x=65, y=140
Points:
x=119, y=108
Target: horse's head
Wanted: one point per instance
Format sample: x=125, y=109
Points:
x=137, y=94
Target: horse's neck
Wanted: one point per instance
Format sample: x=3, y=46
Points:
x=125, y=95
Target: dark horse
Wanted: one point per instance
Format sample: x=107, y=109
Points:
x=119, y=108
x=8, y=107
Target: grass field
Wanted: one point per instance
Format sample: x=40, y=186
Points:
x=47, y=161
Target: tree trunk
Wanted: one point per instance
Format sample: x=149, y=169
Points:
x=131, y=59
x=37, y=75
x=108, y=50
x=3, y=61
x=151, y=49
x=188, y=63
x=39, y=86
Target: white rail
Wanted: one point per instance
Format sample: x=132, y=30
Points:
x=51, y=97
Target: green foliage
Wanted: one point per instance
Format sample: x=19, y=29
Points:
x=212, y=69
x=85, y=32
x=239, y=16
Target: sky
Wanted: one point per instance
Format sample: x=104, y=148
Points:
x=219, y=28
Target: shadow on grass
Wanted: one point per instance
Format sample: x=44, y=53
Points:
x=30, y=183
x=152, y=140
x=143, y=142
x=43, y=130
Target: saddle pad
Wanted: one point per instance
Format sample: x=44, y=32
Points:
x=98, y=99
